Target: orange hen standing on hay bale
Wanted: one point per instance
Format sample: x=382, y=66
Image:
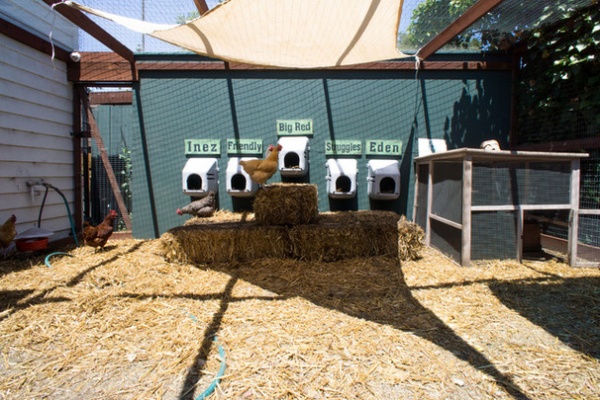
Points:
x=261, y=171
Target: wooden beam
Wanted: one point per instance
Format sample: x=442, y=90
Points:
x=383, y=65
x=21, y=35
x=104, y=156
x=201, y=6
x=102, y=67
x=77, y=161
x=469, y=17
x=112, y=98
x=83, y=22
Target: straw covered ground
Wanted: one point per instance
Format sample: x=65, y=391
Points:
x=127, y=324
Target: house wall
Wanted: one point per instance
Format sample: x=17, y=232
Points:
x=35, y=121
x=462, y=107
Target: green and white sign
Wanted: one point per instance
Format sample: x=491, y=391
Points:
x=343, y=147
x=202, y=147
x=294, y=127
x=383, y=147
x=244, y=146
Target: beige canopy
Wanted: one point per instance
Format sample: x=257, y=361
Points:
x=285, y=33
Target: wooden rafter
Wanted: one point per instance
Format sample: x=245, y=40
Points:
x=467, y=19
x=93, y=29
x=21, y=35
x=201, y=6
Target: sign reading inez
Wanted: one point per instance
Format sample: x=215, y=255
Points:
x=202, y=147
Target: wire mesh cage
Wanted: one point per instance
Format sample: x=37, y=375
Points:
x=484, y=205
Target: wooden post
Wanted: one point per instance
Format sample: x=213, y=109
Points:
x=465, y=253
x=574, y=214
x=429, y=204
x=104, y=155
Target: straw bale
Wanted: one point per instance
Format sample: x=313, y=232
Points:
x=410, y=240
x=207, y=243
x=344, y=235
x=335, y=236
x=221, y=216
x=287, y=204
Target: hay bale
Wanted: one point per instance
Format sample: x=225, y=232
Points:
x=335, y=236
x=342, y=235
x=287, y=204
x=410, y=240
x=225, y=242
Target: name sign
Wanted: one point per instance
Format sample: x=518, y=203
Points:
x=200, y=147
x=244, y=146
x=343, y=147
x=292, y=127
x=383, y=147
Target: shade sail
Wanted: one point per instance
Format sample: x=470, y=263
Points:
x=285, y=33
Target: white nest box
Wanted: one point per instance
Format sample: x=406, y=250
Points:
x=200, y=176
x=430, y=146
x=383, y=179
x=239, y=183
x=341, y=178
x=293, y=157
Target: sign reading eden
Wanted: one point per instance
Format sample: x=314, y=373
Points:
x=202, y=147
x=244, y=146
x=287, y=127
x=343, y=147
x=383, y=147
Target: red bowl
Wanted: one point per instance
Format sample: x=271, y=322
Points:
x=32, y=244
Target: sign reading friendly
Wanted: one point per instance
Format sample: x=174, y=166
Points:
x=343, y=147
x=383, y=147
x=292, y=127
x=244, y=146
x=202, y=147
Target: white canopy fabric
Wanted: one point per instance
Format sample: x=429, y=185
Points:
x=284, y=33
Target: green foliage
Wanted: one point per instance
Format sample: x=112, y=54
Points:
x=561, y=78
x=126, y=182
x=182, y=19
x=430, y=17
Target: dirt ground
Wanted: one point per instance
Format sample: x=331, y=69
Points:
x=126, y=324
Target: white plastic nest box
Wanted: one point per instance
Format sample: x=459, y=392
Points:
x=200, y=176
x=293, y=157
x=383, y=179
x=239, y=183
x=341, y=178
x=429, y=146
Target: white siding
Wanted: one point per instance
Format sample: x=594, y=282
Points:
x=37, y=17
x=35, y=134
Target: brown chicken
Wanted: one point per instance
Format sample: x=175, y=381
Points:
x=261, y=171
x=97, y=236
x=8, y=231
